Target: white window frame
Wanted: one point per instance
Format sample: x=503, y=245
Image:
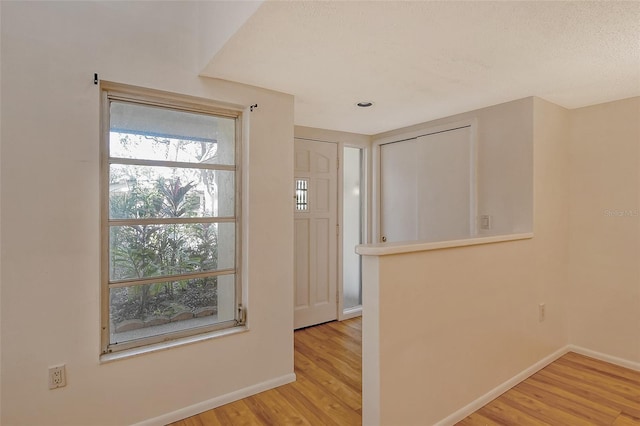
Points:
x=140, y=96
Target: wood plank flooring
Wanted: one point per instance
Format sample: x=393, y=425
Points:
x=573, y=390
x=328, y=389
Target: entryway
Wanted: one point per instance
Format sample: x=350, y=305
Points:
x=315, y=232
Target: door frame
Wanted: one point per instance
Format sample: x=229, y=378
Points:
x=342, y=140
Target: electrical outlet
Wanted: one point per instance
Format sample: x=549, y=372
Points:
x=541, y=312
x=57, y=376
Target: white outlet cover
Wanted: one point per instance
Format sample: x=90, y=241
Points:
x=57, y=376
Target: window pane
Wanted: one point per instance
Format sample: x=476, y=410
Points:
x=302, y=193
x=154, y=133
x=141, y=251
x=352, y=226
x=160, y=308
x=173, y=156
x=140, y=192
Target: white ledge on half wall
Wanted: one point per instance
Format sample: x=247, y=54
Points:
x=383, y=249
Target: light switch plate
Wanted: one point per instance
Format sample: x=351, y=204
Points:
x=485, y=221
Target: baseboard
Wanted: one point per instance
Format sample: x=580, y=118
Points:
x=192, y=410
x=351, y=313
x=449, y=420
x=604, y=357
x=500, y=389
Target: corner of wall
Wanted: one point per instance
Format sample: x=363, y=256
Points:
x=604, y=237
x=451, y=289
x=217, y=23
x=0, y=221
x=551, y=206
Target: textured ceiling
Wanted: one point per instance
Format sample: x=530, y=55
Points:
x=424, y=60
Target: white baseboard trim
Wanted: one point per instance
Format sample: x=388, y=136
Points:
x=449, y=420
x=194, y=409
x=351, y=313
x=604, y=357
x=500, y=389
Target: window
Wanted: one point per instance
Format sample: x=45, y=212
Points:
x=352, y=225
x=170, y=219
x=302, y=190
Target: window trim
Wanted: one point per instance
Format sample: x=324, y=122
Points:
x=110, y=91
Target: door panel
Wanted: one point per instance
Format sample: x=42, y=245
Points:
x=323, y=196
x=444, y=182
x=315, y=241
x=427, y=187
x=399, y=190
x=323, y=260
x=301, y=264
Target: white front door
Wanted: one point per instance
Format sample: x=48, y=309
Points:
x=315, y=229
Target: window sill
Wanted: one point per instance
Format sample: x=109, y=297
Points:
x=129, y=353
x=384, y=249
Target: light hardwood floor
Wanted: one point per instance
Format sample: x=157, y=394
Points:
x=574, y=390
x=328, y=389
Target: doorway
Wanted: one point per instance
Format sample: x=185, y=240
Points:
x=315, y=232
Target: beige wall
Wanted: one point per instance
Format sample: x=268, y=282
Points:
x=347, y=138
x=455, y=323
x=50, y=216
x=217, y=22
x=605, y=228
x=0, y=219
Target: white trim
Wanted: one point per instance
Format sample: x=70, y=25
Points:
x=349, y=313
x=186, y=340
x=383, y=249
x=423, y=130
x=340, y=236
x=126, y=92
x=371, y=341
x=473, y=169
x=632, y=365
x=475, y=405
x=500, y=389
x=200, y=407
x=453, y=418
